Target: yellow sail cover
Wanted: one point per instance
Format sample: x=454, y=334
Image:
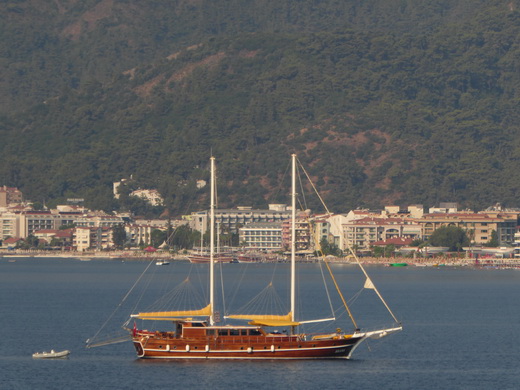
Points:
x=170, y=315
x=267, y=320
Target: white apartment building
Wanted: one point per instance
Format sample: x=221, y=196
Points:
x=32, y=221
x=99, y=221
x=9, y=225
x=139, y=234
x=231, y=220
x=364, y=232
x=97, y=238
x=261, y=236
x=151, y=196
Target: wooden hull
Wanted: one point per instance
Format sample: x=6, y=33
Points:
x=262, y=347
x=205, y=259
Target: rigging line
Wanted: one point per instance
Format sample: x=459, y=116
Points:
x=167, y=280
x=144, y=289
x=120, y=303
x=222, y=288
x=355, y=257
x=266, y=301
x=340, y=294
x=372, y=283
x=345, y=304
x=314, y=187
x=280, y=185
x=326, y=288
x=322, y=255
x=351, y=251
x=324, y=259
x=198, y=273
x=355, y=297
x=302, y=190
x=237, y=286
x=274, y=272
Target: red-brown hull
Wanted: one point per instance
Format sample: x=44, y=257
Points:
x=202, y=259
x=264, y=347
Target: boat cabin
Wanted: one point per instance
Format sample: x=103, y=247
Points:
x=186, y=329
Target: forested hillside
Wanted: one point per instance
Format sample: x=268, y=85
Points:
x=384, y=101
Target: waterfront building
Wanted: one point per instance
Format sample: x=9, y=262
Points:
x=321, y=230
x=99, y=220
x=363, y=233
x=10, y=243
x=32, y=221
x=479, y=226
x=139, y=234
x=444, y=208
x=261, y=236
x=64, y=237
x=412, y=211
x=97, y=238
x=230, y=220
x=396, y=242
x=303, y=240
x=9, y=225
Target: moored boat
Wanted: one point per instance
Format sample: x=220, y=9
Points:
x=205, y=259
x=195, y=334
x=51, y=355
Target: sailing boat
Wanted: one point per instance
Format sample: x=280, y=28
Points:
x=196, y=335
x=205, y=257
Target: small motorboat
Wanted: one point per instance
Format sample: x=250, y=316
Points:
x=51, y=355
x=162, y=262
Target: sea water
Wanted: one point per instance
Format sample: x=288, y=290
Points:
x=461, y=329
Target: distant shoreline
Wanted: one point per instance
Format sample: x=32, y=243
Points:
x=113, y=255
x=381, y=261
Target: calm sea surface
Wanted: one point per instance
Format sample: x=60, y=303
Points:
x=461, y=329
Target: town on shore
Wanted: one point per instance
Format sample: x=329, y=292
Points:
x=391, y=236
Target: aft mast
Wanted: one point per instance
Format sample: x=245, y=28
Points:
x=293, y=239
x=212, y=245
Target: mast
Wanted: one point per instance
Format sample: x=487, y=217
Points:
x=293, y=239
x=212, y=245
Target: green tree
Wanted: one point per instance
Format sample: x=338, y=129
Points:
x=493, y=242
x=157, y=237
x=119, y=235
x=418, y=242
x=329, y=249
x=29, y=242
x=384, y=251
x=184, y=237
x=169, y=233
x=451, y=236
x=56, y=242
